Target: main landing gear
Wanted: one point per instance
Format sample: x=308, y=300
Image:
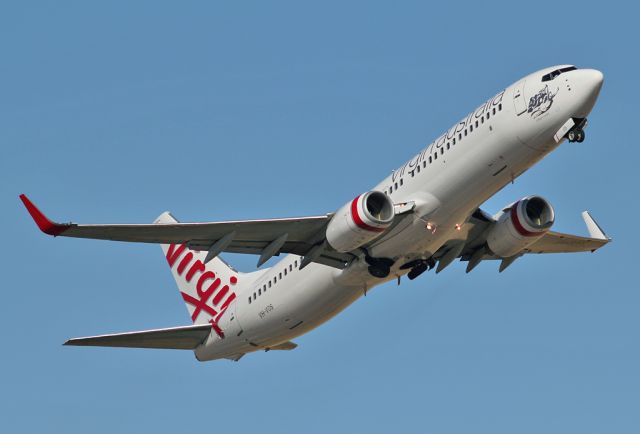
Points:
x=379, y=267
x=418, y=267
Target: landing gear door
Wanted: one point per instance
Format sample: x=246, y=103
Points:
x=519, y=100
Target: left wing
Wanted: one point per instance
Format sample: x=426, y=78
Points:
x=555, y=242
x=300, y=235
x=471, y=244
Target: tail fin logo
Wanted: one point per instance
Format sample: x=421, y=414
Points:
x=209, y=289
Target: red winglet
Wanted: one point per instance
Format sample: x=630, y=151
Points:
x=45, y=225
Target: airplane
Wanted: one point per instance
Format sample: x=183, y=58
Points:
x=423, y=216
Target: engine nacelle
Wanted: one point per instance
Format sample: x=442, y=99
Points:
x=360, y=221
x=521, y=225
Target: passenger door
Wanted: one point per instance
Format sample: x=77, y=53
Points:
x=519, y=100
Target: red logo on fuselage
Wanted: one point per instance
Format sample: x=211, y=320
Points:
x=209, y=295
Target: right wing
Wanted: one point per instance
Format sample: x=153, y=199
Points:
x=267, y=237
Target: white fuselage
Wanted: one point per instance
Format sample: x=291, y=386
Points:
x=447, y=181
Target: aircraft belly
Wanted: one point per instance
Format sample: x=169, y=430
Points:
x=298, y=308
x=488, y=163
x=293, y=307
x=320, y=311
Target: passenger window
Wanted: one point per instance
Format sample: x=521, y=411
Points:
x=296, y=262
x=488, y=115
x=395, y=184
x=476, y=124
x=494, y=110
x=249, y=299
x=430, y=159
x=500, y=107
x=418, y=168
x=260, y=291
x=454, y=140
x=254, y=295
x=441, y=151
x=280, y=276
x=471, y=128
x=460, y=136
x=264, y=288
x=465, y=131
x=269, y=284
x=482, y=120
x=285, y=271
x=401, y=181
x=391, y=189
x=435, y=156
x=448, y=145
x=424, y=163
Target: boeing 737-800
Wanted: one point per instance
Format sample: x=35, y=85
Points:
x=424, y=215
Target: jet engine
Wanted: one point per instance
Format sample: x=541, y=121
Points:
x=520, y=225
x=360, y=221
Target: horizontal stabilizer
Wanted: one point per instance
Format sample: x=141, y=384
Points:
x=285, y=346
x=175, y=338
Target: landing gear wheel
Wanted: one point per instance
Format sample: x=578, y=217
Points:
x=379, y=267
x=379, y=271
x=576, y=135
x=418, y=270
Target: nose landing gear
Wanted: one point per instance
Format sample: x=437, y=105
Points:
x=576, y=135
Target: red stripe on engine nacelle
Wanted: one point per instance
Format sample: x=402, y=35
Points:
x=516, y=223
x=358, y=220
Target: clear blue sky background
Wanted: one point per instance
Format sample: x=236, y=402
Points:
x=116, y=112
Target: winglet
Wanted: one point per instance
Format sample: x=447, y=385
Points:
x=595, y=231
x=47, y=226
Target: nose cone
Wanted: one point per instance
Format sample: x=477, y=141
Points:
x=588, y=84
x=594, y=80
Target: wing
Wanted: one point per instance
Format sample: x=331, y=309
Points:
x=302, y=236
x=471, y=244
x=175, y=338
x=555, y=242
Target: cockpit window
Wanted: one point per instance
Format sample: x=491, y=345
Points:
x=553, y=74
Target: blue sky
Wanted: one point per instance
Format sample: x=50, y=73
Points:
x=118, y=111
